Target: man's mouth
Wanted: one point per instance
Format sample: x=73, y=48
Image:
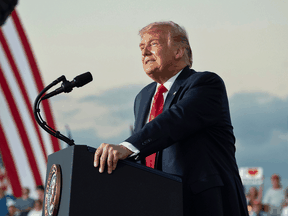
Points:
x=149, y=60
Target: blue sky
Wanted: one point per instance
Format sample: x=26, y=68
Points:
x=245, y=42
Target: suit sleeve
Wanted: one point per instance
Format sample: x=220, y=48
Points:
x=198, y=107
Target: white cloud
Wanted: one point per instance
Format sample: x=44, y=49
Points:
x=278, y=137
x=265, y=99
x=108, y=131
x=105, y=120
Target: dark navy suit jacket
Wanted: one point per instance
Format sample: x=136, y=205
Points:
x=193, y=135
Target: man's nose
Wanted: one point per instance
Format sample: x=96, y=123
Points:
x=146, y=51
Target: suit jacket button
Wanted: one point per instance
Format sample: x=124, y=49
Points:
x=146, y=142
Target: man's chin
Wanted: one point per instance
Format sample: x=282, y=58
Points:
x=150, y=73
x=148, y=70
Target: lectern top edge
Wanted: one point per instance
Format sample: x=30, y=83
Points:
x=139, y=166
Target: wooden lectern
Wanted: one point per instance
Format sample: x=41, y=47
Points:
x=131, y=190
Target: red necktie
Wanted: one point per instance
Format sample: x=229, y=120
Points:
x=156, y=109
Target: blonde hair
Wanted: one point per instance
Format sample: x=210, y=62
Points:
x=175, y=33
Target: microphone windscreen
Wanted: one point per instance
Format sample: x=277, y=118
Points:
x=83, y=79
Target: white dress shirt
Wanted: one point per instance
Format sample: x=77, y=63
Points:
x=168, y=84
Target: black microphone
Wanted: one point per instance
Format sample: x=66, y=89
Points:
x=67, y=86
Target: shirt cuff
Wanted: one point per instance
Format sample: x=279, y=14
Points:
x=131, y=148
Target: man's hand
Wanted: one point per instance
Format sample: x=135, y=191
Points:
x=110, y=153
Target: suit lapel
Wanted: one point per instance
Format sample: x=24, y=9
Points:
x=176, y=87
x=144, y=107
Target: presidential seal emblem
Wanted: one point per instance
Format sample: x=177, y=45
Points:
x=53, y=190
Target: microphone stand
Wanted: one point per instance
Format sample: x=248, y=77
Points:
x=39, y=119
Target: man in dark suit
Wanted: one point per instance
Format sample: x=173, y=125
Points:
x=191, y=133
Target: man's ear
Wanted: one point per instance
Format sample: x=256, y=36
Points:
x=179, y=52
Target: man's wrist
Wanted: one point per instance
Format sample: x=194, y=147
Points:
x=131, y=148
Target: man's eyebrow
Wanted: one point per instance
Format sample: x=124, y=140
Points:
x=141, y=44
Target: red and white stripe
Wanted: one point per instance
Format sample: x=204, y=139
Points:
x=23, y=144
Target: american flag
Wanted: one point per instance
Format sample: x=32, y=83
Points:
x=23, y=145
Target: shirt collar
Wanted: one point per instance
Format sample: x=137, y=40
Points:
x=168, y=84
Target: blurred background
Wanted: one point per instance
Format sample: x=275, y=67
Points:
x=245, y=42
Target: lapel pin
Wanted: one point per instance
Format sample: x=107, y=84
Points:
x=174, y=93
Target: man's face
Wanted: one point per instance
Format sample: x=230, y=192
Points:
x=275, y=182
x=40, y=194
x=37, y=205
x=157, y=55
x=11, y=210
x=24, y=191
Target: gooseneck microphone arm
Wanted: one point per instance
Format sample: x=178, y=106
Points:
x=39, y=119
x=66, y=87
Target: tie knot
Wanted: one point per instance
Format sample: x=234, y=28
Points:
x=162, y=89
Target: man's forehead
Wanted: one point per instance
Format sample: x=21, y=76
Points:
x=152, y=35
